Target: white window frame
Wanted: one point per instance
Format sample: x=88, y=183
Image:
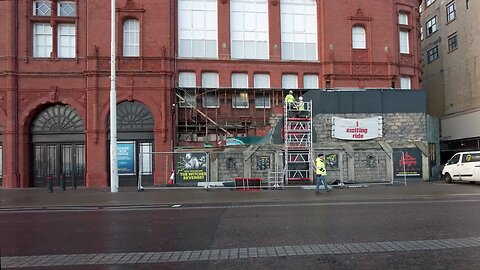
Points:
x=240, y=97
x=66, y=43
x=147, y=160
x=289, y=81
x=310, y=81
x=405, y=82
x=131, y=38
x=262, y=81
x=43, y=50
x=404, y=42
x=298, y=23
x=249, y=29
x=210, y=82
x=429, y=2
x=188, y=80
x=451, y=10
x=403, y=18
x=359, y=37
x=38, y=4
x=432, y=26
x=197, y=29
x=68, y=3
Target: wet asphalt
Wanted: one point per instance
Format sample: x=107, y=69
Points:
x=34, y=222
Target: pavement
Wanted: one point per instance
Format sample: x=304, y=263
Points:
x=129, y=196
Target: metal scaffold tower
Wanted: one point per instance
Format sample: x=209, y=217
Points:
x=298, y=141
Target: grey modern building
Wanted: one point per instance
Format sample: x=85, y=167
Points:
x=450, y=35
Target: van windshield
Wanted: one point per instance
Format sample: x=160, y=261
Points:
x=454, y=159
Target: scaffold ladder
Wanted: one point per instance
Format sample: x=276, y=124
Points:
x=297, y=133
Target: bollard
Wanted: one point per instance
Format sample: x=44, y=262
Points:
x=50, y=183
x=63, y=183
x=74, y=181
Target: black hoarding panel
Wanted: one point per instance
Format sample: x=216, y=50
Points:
x=367, y=101
x=411, y=158
x=325, y=102
x=346, y=102
x=406, y=101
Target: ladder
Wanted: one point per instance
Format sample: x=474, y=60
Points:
x=297, y=133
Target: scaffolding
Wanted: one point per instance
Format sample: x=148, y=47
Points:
x=214, y=114
x=298, y=142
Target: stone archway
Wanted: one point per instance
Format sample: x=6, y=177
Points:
x=58, y=146
x=135, y=134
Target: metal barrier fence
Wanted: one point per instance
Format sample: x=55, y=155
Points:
x=257, y=167
x=371, y=166
x=174, y=169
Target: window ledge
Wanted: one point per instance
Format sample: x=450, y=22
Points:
x=360, y=49
x=452, y=50
x=449, y=22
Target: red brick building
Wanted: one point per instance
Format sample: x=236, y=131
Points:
x=230, y=59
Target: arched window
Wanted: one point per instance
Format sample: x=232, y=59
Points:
x=358, y=38
x=57, y=119
x=133, y=116
x=131, y=38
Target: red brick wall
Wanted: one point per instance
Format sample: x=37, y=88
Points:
x=376, y=66
x=28, y=85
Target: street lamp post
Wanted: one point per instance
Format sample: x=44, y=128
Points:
x=113, y=107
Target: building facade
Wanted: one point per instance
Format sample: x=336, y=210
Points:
x=191, y=72
x=450, y=65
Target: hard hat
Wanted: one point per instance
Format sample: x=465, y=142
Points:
x=300, y=98
x=290, y=92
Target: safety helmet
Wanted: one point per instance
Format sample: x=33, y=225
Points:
x=300, y=98
x=290, y=92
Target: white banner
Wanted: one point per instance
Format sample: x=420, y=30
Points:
x=357, y=129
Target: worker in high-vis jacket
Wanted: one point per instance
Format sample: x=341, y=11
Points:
x=289, y=100
x=300, y=106
x=321, y=173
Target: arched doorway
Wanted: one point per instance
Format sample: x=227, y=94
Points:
x=134, y=135
x=58, y=146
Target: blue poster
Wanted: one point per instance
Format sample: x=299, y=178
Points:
x=126, y=158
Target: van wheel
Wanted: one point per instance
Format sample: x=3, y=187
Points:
x=448, y=178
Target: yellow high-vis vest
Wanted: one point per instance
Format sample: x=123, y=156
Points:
x=320, y=164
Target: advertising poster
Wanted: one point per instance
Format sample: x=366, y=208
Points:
x=190, y=167
x=263, y=163
x=357, y=129
x=126, y=158
x=331, y=161
x=412, y=160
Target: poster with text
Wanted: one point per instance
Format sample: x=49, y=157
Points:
x=126, y=158
x=331, y=161
x=263, y=163
x=412, y=159
x=190, y=167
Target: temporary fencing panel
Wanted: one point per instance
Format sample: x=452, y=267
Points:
x=371, y=167
x=174, y=169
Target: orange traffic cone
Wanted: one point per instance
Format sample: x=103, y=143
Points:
x=170, y=180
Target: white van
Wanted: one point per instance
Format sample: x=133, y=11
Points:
x=463, y=166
